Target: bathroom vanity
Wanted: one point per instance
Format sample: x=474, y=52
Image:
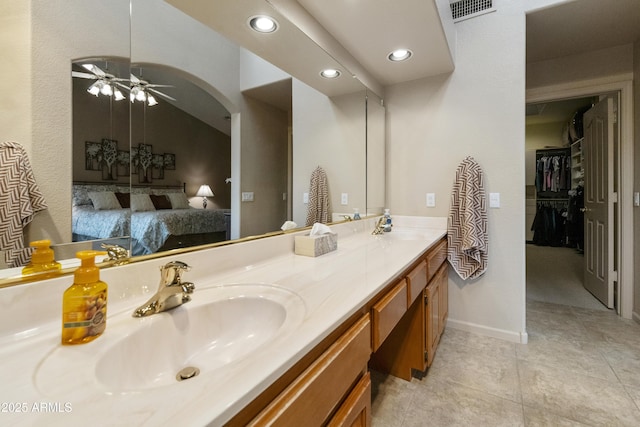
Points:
x=277, y=338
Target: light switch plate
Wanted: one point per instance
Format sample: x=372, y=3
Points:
x=494, y=200
x=636, y=199
x=431, y=200
x=247, y=196
x=344, y=200
x=305, y=197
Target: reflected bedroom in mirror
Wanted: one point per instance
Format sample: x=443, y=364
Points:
x=138, y=192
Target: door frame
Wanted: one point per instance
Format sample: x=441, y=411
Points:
x=623, y=84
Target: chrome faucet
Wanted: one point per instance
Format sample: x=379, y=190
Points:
x=379, y=226
x=171, y=293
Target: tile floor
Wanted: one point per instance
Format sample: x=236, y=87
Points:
x=581, y=367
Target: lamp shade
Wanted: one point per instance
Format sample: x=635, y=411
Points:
x=204, y=191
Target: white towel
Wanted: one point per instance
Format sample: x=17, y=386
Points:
x=467, y=224
x=20, y=199
x=318, y=209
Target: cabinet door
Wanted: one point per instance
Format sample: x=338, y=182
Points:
x=443, y=286
x=356, y=409
x=432, y=320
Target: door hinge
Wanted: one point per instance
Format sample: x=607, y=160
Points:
x=614, y=197
x=426, y=299
x=615, y=117
x=426, y=355
x=613, y=276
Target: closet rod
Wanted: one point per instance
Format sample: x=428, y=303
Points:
x=542, y=199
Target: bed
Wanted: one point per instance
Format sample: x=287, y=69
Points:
x=156, y=219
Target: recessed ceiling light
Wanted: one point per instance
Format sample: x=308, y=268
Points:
x=330, y=73
x=400, y=55
x=263, y=24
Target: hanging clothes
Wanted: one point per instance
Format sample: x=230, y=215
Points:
x=550, y=224
x=319, y=208
x=467, y=223
x=20, y=199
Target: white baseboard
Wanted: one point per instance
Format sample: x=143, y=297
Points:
x=511, y=336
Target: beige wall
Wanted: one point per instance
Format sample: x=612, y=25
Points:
x=328, y=132
x=636, y=210
x=265, y=142
x=478, y=110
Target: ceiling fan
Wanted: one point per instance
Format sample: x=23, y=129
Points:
x=105, y=83
x=142, y=90
x=109, y=85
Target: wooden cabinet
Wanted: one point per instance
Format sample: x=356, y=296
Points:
x=436, y=308
x=326, y=387
x=387, y=312
x=411, y=345
x=356, y=409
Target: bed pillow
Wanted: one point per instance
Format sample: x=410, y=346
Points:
x=178, y=200
x=141, y=203
x=124, y=199
x=160, y=201
x=104, y=200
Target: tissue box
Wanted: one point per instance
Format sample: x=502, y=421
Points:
x=316, y=245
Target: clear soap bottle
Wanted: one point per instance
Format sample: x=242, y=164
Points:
x=84, y=304
x=387, y=221
x=42, y=261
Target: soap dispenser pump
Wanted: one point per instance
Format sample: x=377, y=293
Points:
x=84, y=304
x=42, y=260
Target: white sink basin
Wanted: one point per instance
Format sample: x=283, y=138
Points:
x=220, y=326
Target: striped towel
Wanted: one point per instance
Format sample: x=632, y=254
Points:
x=318, y=209
x=467, y=224
x=20, y=199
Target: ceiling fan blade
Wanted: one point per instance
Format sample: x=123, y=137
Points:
x=94, y=69
x=84, y=75
x=164, y=95
x=155, y=85
x=135, y=80
x=128, y=88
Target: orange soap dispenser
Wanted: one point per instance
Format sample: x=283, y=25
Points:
x=84, y=304
x=42, y=261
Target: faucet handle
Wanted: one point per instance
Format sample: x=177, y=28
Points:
x=116, y=254
x=188, y=287
x=171, y=272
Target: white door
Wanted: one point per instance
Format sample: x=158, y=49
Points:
x=598, y=201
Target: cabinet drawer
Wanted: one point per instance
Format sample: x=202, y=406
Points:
x=435, y=258
x=416, y=282
x=387, y=313
x=318, y=391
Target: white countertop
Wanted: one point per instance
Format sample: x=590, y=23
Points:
x=332, y=286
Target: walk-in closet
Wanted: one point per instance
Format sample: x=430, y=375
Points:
x=555, y=203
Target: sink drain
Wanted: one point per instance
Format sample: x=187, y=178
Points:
x=186, y=373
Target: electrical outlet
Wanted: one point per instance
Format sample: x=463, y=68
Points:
x=247, y=196
x=431, y=200
x=344, y=200
x=494, y=200
x=305, y=197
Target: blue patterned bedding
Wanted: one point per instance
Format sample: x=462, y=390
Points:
x=86, y=221
x=148, y=230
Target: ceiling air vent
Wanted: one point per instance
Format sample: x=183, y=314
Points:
x=465, y=9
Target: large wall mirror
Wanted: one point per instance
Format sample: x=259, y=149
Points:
x=222, y=116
